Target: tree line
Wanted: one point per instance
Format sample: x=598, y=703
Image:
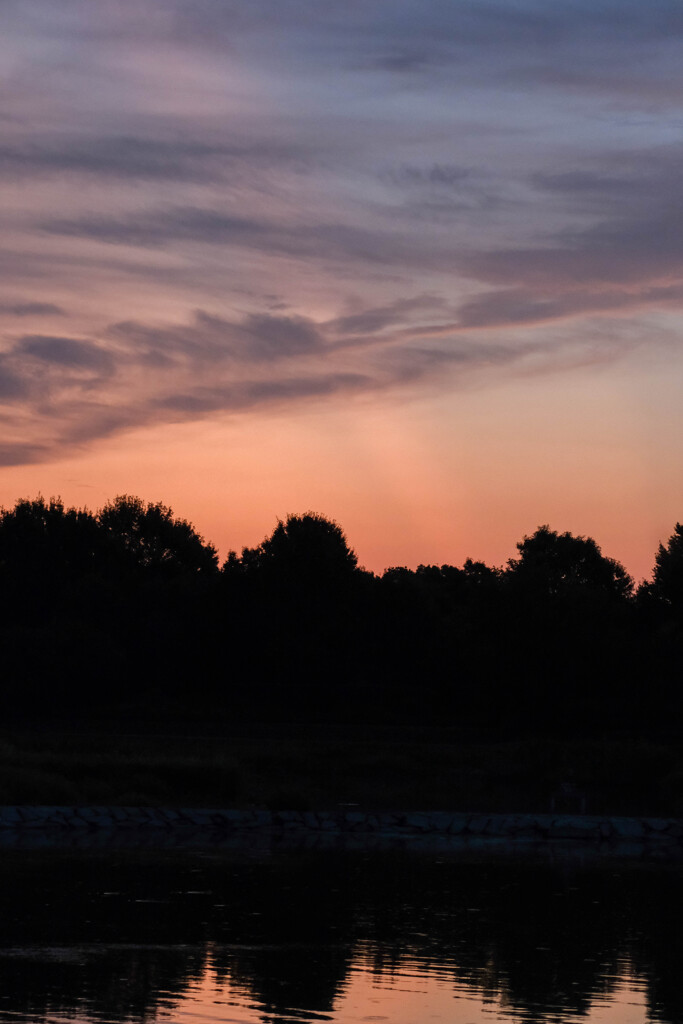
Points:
x=126, y=613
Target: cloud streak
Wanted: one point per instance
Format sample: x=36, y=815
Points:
x=214, y=207
x=30, y=309
x=131, y=158
x=77, y=390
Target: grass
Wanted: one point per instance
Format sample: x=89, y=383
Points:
x=318, y=767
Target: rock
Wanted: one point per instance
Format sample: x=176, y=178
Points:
x=10, y=817
x=477, y=824
x=418, y=822
x=655, y=824
x=441, y=822
x=458, y=824
x=627, y=828
x=368, y=827
x=577, y=827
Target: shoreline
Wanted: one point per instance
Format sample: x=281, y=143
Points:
x=201, y=824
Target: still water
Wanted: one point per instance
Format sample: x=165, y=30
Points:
x=391, y=935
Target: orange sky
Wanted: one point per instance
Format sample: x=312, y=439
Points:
x=412, y=480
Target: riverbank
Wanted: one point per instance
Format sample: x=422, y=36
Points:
x=202, y=824
x=291, y=767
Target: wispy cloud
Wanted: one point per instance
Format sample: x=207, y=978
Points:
x=138, y=157
x=299, y=239
x=215, y=206
x=76, y=390
x=30, y=309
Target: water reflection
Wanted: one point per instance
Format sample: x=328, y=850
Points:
x=206, y=936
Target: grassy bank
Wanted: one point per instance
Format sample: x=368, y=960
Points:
x=302, y=768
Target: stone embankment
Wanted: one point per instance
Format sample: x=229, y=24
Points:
x=344, y=822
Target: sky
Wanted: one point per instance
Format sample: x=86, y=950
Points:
x=416, y=265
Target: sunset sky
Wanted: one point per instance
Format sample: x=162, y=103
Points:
x=416, y=265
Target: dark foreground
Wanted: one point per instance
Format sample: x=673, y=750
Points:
x=307, y=768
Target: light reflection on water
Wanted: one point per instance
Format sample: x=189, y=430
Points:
x=408, y=994
x=201, y=937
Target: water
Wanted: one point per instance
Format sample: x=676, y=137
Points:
x=345, y=936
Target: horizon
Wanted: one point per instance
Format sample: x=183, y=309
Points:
x=415, y=267
x=222, y=554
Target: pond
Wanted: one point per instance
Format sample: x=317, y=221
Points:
x=451, y=935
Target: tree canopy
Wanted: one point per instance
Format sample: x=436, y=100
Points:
x=668, y=573
x=40, y=537
x=307, y=546
x=559, y=563
x=150, y=537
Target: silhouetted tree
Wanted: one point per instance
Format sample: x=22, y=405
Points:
x=306, y=547
x=100, y=610
x=42, y=539
x=297, y=602
x=556, y=563
x=56, y=623
x=149, y=537
x=660, y=624
x=668, y=573
x=571, y=615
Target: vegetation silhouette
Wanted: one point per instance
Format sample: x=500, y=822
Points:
x=557, y=565
x=667, y=582
x=149, y=538
x=308, y=549
x=124, y=613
